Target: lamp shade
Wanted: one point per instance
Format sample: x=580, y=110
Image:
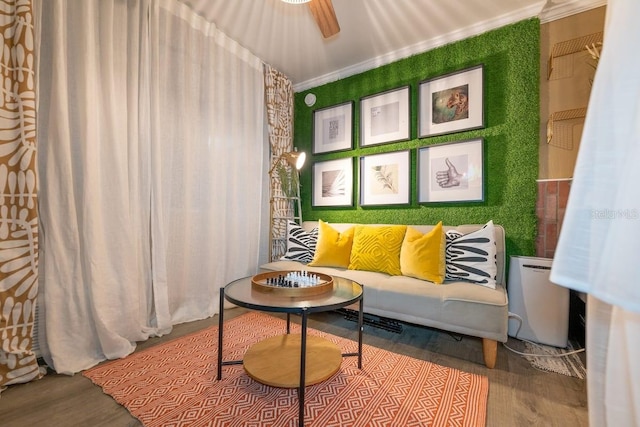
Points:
x=295, y=158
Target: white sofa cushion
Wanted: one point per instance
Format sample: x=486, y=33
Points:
x=455, y=306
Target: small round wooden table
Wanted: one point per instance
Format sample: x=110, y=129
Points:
x=270, y=361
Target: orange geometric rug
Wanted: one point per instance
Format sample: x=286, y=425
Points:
x=174, y=384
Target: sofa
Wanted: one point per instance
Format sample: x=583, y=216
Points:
x=467, y=295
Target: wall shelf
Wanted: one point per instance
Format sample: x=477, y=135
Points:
x=572, y=46
x=561, y=134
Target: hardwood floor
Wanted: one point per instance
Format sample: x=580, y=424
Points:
x=519, y=395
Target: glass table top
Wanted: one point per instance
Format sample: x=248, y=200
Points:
x=345, y=292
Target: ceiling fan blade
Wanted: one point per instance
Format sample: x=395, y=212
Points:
x=325, y=16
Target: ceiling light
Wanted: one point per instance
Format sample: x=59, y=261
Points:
x=296, y=1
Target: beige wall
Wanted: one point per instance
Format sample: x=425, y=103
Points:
x=567, y=88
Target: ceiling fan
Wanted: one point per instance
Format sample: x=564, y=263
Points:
x=324, y=15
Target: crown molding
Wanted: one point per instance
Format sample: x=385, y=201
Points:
x=552, y=13
x=568, y=8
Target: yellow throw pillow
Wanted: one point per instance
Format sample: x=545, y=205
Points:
x=377, y=248
x=333, y=248
x=423, y=255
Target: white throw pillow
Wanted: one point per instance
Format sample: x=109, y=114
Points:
x=472, y=257
x=301, y=245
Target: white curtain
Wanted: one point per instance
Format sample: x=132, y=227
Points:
x=151, y=172
x=207, y=120
x=599, y=247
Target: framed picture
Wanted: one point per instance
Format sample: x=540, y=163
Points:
x=452, y=172
x=451, y=103
x=333, y=128
x=384, y=178
x=385, y=117
x=332, y=183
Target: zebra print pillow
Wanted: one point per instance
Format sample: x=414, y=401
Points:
x=301, y=245
x=472, y=257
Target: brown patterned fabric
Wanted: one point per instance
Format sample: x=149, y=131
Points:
x=279, y=102
x=18, y=201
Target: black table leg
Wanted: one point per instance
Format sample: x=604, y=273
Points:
x=220, y=327
x=303, y=368
x=360, y=327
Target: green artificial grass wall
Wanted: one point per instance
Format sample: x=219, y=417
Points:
x=510, y=56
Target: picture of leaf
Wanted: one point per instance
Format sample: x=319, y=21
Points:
x=386, y=177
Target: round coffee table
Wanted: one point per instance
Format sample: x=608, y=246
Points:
x=270, y=361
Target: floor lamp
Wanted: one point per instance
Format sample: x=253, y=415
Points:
x=285, y=198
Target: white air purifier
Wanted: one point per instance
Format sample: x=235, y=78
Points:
x=542, y=305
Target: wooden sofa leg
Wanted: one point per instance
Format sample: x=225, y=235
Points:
x=489, y=352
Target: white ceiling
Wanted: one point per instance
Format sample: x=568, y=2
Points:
x=372, y=32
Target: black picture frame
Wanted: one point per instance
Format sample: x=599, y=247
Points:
x=332, y=183
x=451, y=103
x=451, y=172
x=385, y=179
x=333, y=128
x=385, y=117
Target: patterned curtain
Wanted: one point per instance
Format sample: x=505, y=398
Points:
x=279, y=101
x=18, y=200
